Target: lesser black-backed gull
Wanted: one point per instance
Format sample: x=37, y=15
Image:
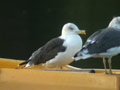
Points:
x=58, y=51
x=104, y=43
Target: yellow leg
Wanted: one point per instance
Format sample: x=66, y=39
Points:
x=110, y=66
x=104, y=62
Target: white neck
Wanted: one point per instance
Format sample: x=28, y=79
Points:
x=69, y=36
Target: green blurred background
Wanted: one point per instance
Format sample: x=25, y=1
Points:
x=27, y=25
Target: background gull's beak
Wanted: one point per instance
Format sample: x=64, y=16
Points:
x=82, y=32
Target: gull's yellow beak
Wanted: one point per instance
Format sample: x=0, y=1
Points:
x=82, y=32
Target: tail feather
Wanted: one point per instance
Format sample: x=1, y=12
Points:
x=78, y=56
x=82, y=54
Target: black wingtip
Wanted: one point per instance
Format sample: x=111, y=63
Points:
x=24, y=62
x=76, y=55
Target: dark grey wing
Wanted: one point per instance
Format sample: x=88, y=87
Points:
x=35, y=53
x=48, y=51
x=104, y=40
x=95, y=34
x=93, y=37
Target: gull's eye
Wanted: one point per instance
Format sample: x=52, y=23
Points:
x=71, y=28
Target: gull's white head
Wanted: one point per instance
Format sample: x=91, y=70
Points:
x=115, y=23
x=70, y=29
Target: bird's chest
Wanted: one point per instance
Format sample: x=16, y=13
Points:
x=73, y=43
x=72, y=46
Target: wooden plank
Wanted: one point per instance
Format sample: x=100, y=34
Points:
x=23, y=79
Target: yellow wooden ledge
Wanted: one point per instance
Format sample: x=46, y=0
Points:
x=40, y=79
x=24, y=79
